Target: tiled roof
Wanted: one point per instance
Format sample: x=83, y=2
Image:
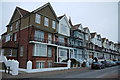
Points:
x=22, y=11
x=10, y=44
x=76, y=26
x=92, y=34
x=61, y=16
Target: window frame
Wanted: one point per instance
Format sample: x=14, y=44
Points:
x=40, y=66
x=53, y=24
x=37, y=18
x=11, y=27
x=38, y=48
x=15, y=37
x=49, y=48
x=46, y=21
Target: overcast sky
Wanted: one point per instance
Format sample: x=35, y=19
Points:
x=100, y=17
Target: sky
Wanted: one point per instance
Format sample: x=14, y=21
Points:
x=100, y=17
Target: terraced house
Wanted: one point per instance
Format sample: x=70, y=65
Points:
x=50, y=41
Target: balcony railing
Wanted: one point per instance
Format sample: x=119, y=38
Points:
x=55, y=42
x=49, y=41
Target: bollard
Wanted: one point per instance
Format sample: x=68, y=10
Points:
x=29, y=65
x=87, y=64
x=15, y=67
x=69, y=63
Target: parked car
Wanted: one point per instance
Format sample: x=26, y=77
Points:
x=113, y=63
x=106, y=63
x=97, y=65
x=118, y=62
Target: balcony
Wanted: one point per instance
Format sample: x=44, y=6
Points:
x=49, y=41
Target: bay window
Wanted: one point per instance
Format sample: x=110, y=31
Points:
x=40, y=64
x=39, y=35
x=61, y=39
x=49, y=64
x=40, y=50
x=49, y=52
x=7, y=38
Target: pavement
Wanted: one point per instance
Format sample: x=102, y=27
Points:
x=45, y=74
x=83, y=72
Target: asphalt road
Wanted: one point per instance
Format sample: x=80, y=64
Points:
x=111, y=72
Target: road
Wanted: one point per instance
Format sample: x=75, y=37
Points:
x=111, y=72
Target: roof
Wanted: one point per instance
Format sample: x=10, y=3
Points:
x=45, y=5
x=70, y=22
x=92, y=34
x=22, y=11
x=76, y=26
x=85, y=28
x=99, y=35
x=10, y=44
x=61, y=16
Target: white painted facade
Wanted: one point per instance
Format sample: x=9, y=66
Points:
x=64, y=26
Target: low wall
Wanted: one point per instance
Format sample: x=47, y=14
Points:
x=43, y=69
x=60, y=65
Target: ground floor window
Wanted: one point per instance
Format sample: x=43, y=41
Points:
x=40, y=50
x=49, y=64
x=40, y=65
x=62, y=54
x=49, y=52
x=10, y=52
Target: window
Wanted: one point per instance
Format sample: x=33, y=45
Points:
x=49, y=64
x=63, y=52
x=21, y=50
x=40, y=65
x=49, y=52
x=11, y=28
x=15, y=37
x=40, y=50
x=46, y=21
x=39, y=35
x=10, y=52
x=49, y=38
x=17, y=24
x=64, y=29
x=37, y=18
x=7, y=38
x=53, y=24
x=61, y=39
